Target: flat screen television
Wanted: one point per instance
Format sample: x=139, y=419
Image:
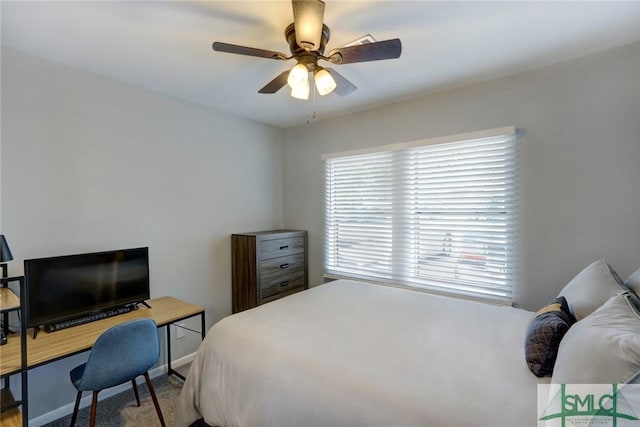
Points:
x=71, y=286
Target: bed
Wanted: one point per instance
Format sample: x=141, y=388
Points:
x=348, y=353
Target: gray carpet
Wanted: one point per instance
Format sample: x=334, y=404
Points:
x=121, y=410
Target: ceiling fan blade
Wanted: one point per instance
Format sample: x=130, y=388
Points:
x=308, y=16
x=343, y=86
x=250, y=51
x=276, y=84
x=387, y=49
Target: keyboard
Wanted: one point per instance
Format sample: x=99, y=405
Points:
x=89, y=318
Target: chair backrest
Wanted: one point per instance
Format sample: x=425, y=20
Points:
x=120, y=354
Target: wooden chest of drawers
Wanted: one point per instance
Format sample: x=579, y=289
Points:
x=267, y=265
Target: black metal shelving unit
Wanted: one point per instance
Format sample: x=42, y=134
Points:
x=14, y=412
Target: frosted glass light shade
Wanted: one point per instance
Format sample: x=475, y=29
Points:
x=324, y=82
x=298, y=77
x=301, y=91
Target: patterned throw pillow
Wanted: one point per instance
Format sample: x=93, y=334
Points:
x=544, y=334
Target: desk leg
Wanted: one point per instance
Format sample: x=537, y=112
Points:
x=25, y=399
x=203, y=332
x=170, y=370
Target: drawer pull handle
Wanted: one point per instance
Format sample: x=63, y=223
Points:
x=284, y=247
x=283, y=266
x=285, y=283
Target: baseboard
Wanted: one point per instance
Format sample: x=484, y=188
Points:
x=65, y=410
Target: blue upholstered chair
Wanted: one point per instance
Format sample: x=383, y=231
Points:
x=122, y=353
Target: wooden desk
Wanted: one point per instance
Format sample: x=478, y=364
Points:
x=51, y=346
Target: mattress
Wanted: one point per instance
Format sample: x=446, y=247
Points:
x=349, y=353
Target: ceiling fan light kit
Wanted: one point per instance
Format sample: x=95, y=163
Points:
x=298, y=81
x=307, y=37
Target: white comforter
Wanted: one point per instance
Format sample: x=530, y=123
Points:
x=353, y=354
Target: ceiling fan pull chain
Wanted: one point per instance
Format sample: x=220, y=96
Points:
x=314, y=114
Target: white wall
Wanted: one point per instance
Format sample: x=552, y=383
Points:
x=89, y=164
x=580, y=197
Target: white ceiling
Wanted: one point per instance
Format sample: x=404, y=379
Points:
x=165, y=46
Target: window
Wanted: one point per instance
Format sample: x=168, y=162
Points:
x=439, y=214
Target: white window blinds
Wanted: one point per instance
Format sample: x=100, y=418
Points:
x=438, y=214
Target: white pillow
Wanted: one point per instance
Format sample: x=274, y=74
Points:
x=591, y=288
x=633, y=282
x=603, y=348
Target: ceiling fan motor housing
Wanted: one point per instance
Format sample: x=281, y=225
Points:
x=302, y=55
x=290, y=35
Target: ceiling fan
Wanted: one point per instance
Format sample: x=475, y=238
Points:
x=307, y=37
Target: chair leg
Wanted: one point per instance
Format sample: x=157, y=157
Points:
x=155, y=399
x=75, y=409
x=135, y=390
x=94, y=406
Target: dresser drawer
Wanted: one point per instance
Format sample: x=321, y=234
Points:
x=282, y=283
x=281, y=247
x=271, y=269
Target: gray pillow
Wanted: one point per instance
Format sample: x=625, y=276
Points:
x=603, y=348
x=633, y=282
x=591, y=288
